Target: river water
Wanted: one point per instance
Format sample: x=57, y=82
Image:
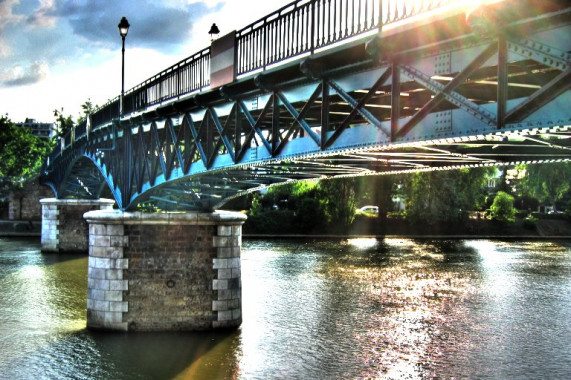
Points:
x=357, y=309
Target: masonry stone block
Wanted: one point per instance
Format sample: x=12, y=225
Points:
x=225, y=315
x=114, y=295
x=113, y=274
x=96, y=273
x=101, y=284
x=224, y=274
x=224, y=230
x=115, y=230
x=224, y=294
x=97, y=229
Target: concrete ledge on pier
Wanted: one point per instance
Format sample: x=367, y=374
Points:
x=164, y=271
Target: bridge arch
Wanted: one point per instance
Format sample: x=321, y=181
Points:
x=83, y=178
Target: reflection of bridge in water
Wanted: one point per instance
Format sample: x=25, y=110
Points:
x=330, y=88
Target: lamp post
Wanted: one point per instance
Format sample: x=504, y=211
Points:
x=123, y=30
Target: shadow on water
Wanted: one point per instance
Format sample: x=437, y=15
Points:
x=368, y=252
x=88, y=354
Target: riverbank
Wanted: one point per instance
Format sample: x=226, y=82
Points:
x=20, y=228
x=474, y=228
x=544, y=230
x=410, y=236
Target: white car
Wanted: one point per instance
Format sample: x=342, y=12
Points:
x=369, y=209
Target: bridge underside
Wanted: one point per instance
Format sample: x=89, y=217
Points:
x=215, y=188
x=435, y=96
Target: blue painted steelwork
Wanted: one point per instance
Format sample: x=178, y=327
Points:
x=438, y=94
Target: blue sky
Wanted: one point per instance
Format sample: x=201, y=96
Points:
x=59, y=53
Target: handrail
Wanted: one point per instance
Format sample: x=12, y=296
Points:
x=297, y=28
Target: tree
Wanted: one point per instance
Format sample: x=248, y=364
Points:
x=502, y=208
x=340, y=199
x=64, y=124
x=443, y=196
x=21, y=155
x=88, y=108
x=377, y=190
x=547, y=182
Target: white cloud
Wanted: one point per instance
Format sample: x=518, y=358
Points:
x=7, y=17
x=230, y=15
x=22, y=76
x=6, y=14
x=42, y=17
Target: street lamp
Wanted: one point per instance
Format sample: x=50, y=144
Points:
x=123, y=30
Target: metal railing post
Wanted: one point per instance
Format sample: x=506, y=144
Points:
x=380, y=15
x=313, y=22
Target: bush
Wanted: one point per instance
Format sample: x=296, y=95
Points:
x=530, y=223
x=270, y=222
x=502, y=209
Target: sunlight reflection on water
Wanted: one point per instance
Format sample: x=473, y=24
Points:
x=362, y=308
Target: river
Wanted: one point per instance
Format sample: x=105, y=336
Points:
x=357, y=309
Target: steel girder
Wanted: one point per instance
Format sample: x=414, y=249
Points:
x=461, y=102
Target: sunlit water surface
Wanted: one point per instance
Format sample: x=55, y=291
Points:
x=353, y=309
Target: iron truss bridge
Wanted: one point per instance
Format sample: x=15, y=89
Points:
x=347, y=91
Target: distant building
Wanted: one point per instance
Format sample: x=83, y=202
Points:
x=46, y=130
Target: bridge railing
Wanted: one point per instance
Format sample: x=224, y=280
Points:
x=301, y=27
x=188, y=75
x=297, y=28
x=306, y=25
x=398, y=10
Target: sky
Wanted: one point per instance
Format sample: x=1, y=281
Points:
x=58, y=54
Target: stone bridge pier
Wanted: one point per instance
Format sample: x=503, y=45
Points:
x=164, y=271
x=63, y=228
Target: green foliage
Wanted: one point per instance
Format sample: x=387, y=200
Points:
x=271, y=222
x=147, y=207
x=547, y=182
x=311, y=214
x=378, y=191
x=303, y=207
x=64, y=123
x=256, y=208
x=443, y=196
x=503, y=209
x=340, y=200
x=530, y=222
x=88, y=108
x=21, y=155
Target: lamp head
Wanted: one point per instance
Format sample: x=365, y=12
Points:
x=213, y=30
x=123, y=27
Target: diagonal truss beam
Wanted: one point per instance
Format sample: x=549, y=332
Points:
x=196, y=138
x=447, y=92
x=356, y=106
x=223, y=136
x=255, y=124
x=541, y=97
x=299, y=119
